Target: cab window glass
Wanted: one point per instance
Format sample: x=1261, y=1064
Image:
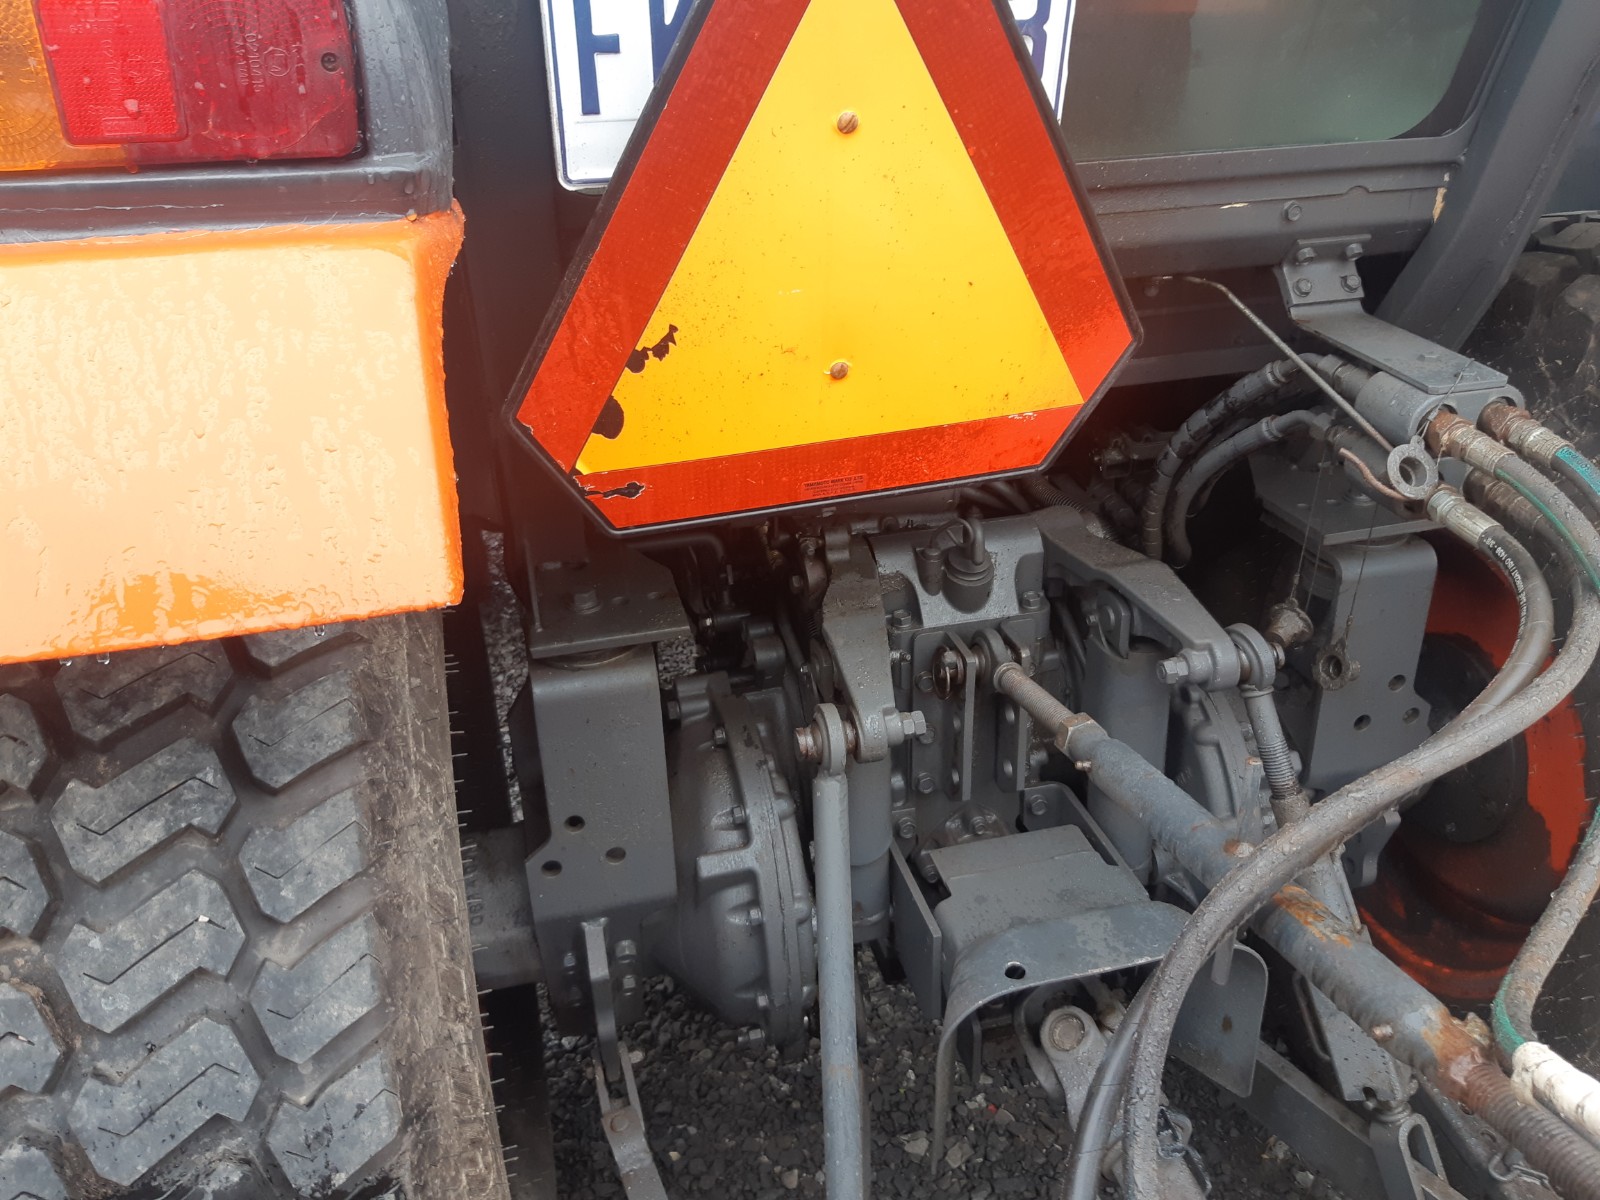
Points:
x=1153, y=77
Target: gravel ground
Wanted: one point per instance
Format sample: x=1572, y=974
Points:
x=724, y=1122
x=728, y=1122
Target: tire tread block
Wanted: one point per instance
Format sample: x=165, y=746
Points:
x=23, y=751
x=115, y=974
x=282, y=739
x=23, y=895
x=304, y=1007
x=322, y=1146
x=285, y=647
x=103, y=699
x=290, y=869
x=29, y=1052
x=129, y=1126
x=26, y=1173
x=104, y=829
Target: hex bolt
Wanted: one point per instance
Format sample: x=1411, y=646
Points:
x=1292, y=211
x=1354, y=251
x=924, y=782
x=719, y=736
x=1038, y=806
x=1304, y=255
x=911, y=725
x=900, y=619
x=848, y=122
x=1303, y=287
x=1032, y=601
x=585, y=601
x=1067, y=1032
x=1172, y=670
x=1351, y=283
x=906, y=828
x=839, y=369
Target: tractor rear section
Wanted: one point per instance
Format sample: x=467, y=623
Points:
x=1148, y=602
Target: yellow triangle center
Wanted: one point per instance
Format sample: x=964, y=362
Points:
x=840, y=284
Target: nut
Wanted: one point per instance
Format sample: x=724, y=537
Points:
x=1066, y=1032
x=1173, y=670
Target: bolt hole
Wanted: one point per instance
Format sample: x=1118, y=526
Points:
x=1016, y=971
x=616, y=854
x=1412, y=472
x=1333, y=666
x=1410, y=715
x=1363, y=721
x=551, y=868
x=1398, y=682
x=575, y=823
x=330, y=62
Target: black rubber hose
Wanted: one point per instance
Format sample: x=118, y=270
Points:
x=1537, y=629
x=1098, y=1121
x=1290, y=851
x=1216, y=459
x=1512, y=1012
x=1244, y=396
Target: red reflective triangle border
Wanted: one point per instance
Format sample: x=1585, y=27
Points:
x=662, y=189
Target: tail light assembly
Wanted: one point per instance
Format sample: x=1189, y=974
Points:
x=96, y=83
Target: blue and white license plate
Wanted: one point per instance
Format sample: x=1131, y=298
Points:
x=605, y=55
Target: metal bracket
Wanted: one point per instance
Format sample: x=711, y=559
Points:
x=623, y=1120
x=1073, y=1046
x=620, y=1115
x=1407, y=1157
x=607, y=1044
x=1320, y=276
x=853, y=628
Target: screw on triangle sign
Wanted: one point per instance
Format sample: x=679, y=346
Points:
x=845, y=253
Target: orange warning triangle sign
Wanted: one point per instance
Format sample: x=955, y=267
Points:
x=845, y=254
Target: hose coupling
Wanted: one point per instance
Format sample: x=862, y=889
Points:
x=1521, y=431
x=1451, y=435
x=1456, y=513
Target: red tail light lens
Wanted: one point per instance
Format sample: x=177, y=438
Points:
x=172, y=81
x=113, y=73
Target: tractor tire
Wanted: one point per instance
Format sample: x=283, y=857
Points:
x=1543, y=331
x=234, y=958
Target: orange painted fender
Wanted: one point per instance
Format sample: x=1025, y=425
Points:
x=223, y=432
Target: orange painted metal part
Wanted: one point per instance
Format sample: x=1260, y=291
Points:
x=1453, y=914
x=223, y=432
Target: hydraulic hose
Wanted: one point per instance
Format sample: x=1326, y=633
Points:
x=1537, y=613
x=1216, y=459
x=1313, y=938
x=1539, y=1071
x=1295, y=848
x=1244, y=396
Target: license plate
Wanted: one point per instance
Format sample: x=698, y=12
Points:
x=605, y=56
